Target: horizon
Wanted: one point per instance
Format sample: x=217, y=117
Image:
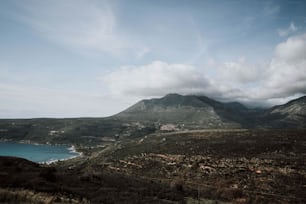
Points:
x=68, y=59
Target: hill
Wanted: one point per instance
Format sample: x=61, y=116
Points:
x=22, y=181
x=78, y=131
x=289, y=115
x=201, y=112
x=202, y=166
x=195, y=112
x=171, y=112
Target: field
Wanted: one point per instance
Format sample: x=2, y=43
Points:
x=217, y=166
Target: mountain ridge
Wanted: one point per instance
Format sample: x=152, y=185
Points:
x=175, y=108
x=173, y=111
x=204, y=110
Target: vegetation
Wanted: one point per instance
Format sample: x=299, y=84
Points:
x=177, y=149
x=78, y=131
x=148, y=116
x=239, y=166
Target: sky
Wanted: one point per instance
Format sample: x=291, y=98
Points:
x=94, y=58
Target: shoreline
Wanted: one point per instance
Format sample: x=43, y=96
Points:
x=71, y=149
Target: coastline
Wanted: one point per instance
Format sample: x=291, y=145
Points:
x=71, y=149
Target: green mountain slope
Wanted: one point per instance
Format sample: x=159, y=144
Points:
x=148, y=116
x=190, y=110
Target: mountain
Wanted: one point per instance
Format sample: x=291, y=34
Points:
x=294, y=109
x=193, y=111
x=198, y=112
x=172, y=111
x=289, y=115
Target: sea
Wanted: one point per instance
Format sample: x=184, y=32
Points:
x=41, y=153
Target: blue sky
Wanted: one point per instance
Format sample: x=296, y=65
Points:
x=71, y=58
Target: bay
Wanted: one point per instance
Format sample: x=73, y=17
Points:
x=38, y=152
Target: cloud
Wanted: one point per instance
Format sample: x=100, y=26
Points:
x=286, y=74
x=292, y=50
x=160, y=78
x=156, y=79
x=270, y=8
x=281, y=78
x=142, y=52
x=83, y=26
x=285, y=32
x=240, y=71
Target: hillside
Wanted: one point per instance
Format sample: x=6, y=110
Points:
x=78, y=131
x=289, y=115
x=206, y=166
x=171, y=112
x=129, y=158
x=201, y=112
x=191, y=111
x=22, y=181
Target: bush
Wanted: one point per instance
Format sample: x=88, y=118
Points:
x=48, y=174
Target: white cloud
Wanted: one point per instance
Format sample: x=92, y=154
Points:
x=285, y=32
x=292, y=50
x=284, y=77
x=241, y=71
x=83, y=26
x=157, y=79
x=286, y=74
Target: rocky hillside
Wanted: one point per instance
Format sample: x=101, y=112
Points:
x=290, y=115
x=22, y=181
x=191, y=111
x=198, y=112
x=172, y=112
x=294, y=108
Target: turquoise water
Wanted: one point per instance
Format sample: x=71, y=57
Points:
x=37, y=153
